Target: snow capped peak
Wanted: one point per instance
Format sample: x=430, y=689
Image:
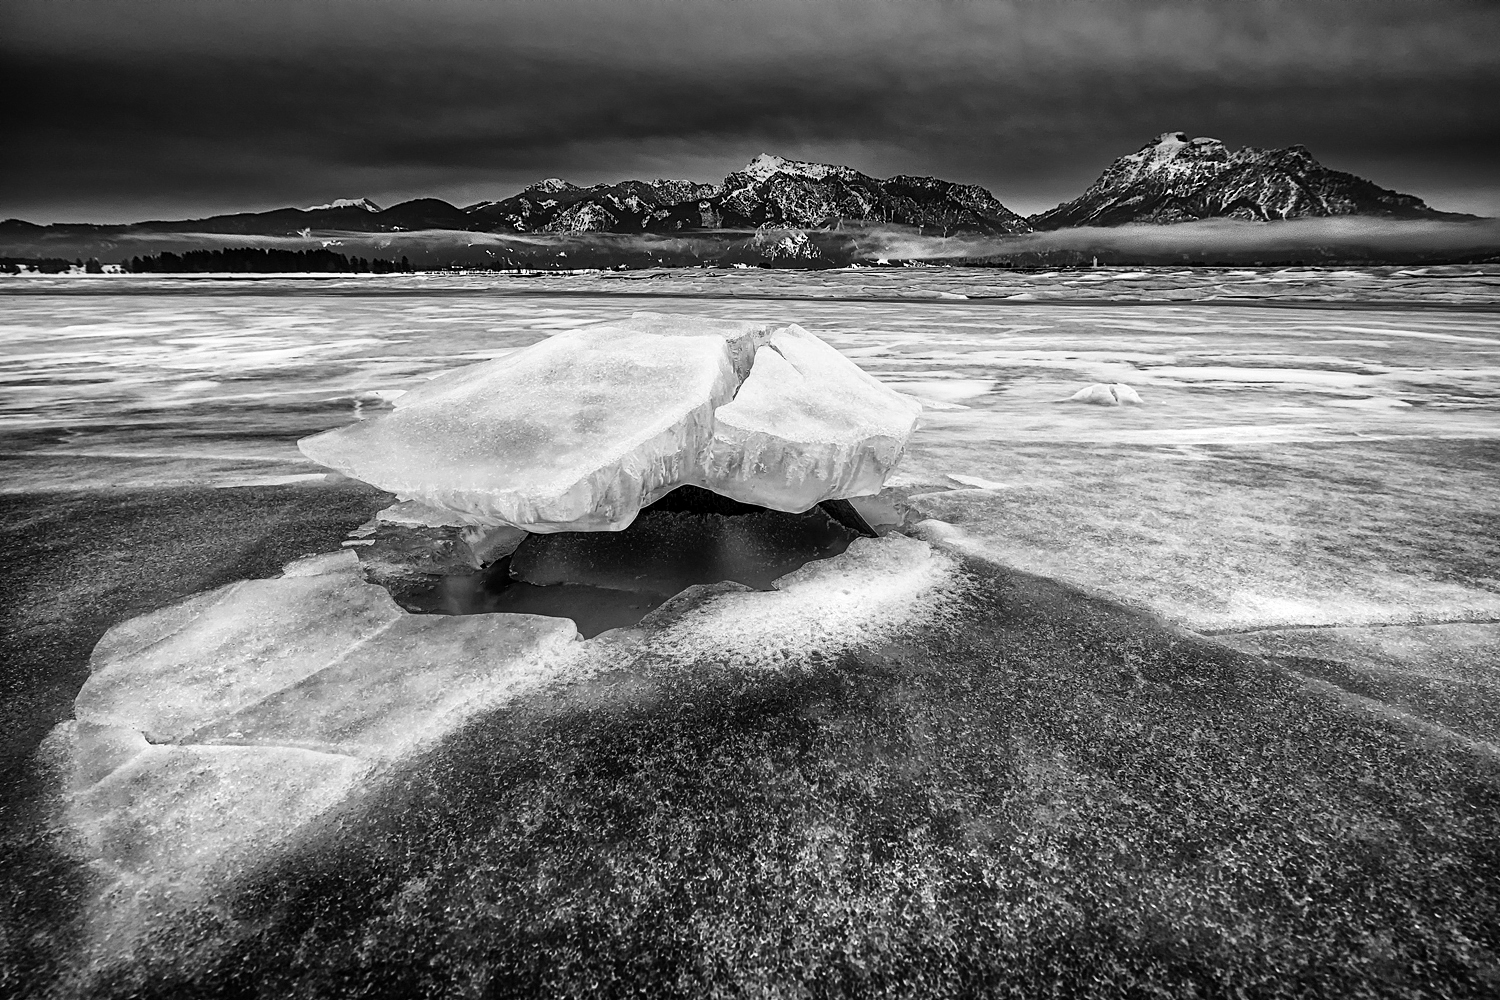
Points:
x=765, y=165
x=552, y=185
x=1165, y=149
x=1171, y=152
x=364, y=203
x=1174, y=178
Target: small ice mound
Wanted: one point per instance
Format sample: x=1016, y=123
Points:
x=871, y=590
x=1107, y=395
x=581, y=431
x=978, y=482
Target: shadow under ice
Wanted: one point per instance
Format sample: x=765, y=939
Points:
x=612, y=579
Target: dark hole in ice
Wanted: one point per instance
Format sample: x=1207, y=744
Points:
x=610, y=579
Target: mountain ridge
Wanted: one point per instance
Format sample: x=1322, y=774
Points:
x=1172, y=178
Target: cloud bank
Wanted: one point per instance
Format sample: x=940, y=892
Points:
x=177, y=108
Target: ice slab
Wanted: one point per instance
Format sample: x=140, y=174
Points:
x=807, y=425
x=580, y=431
x=264, y=698
x=577, y=432
x=187, y=808
x=186, y=666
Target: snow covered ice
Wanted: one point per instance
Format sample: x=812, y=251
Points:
x=582, y=430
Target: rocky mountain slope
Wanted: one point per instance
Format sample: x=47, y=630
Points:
x=1177, y=179
x=767, y=192
x=795, y=194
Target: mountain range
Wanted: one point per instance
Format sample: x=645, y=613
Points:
x=1171, y=179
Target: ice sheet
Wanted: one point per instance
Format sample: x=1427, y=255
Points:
x=1386, y=383
x=1239, y=535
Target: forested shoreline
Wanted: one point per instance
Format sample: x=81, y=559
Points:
x=261, y=261
x=238, y=259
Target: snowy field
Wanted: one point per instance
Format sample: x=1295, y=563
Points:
x=1217, y=670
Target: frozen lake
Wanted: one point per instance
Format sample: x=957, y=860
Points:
x=1206, y=688
x=1316, y=446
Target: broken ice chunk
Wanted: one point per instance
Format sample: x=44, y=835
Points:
x=807, y=425
x=1107, y=395
x=575, y=433
x=579, y=432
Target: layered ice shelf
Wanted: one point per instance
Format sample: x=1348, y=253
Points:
x=580, y=431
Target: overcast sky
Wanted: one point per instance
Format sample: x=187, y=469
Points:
x=120, y=111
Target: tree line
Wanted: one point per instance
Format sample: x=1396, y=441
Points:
x=261, y=261
x=48, y=265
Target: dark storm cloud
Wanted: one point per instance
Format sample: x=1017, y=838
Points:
x=124, y=110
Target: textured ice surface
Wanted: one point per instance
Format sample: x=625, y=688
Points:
x=1273, y=480
x=581, y=431
x=1444, y=677
x=220, y=379
x=1232, y=538
x=253, y=736
x=807, y=425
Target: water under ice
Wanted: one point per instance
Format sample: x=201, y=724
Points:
x=581, y=431
x=607, y=580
